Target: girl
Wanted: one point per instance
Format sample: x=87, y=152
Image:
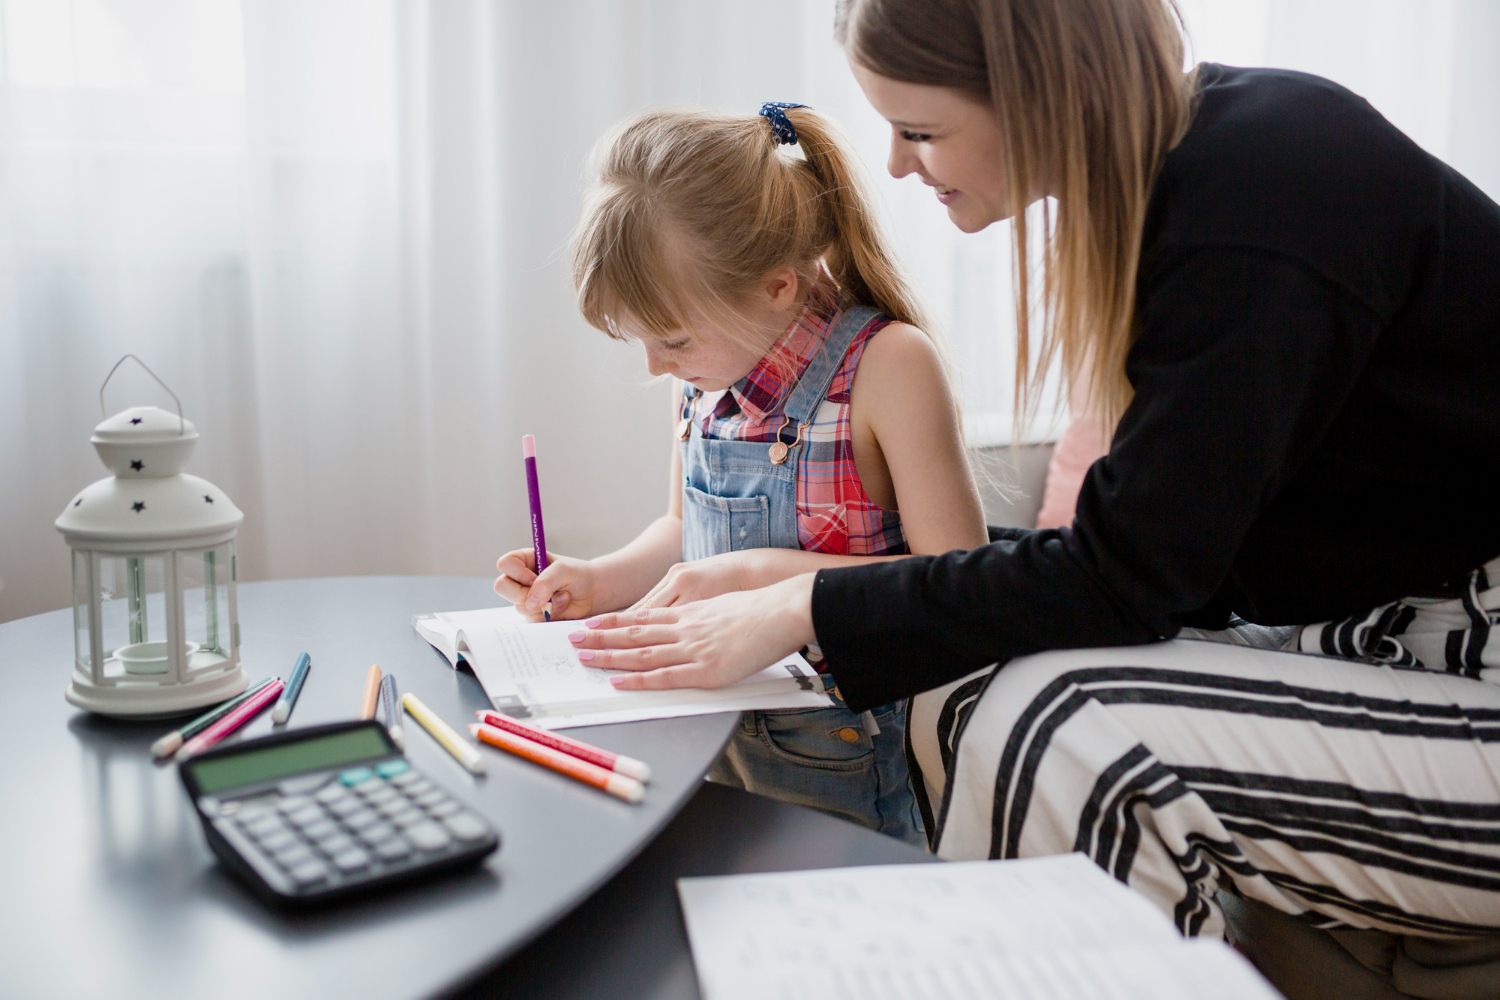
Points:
x=815, y=425
x=1287, y=314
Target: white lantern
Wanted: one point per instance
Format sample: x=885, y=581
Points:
x=155, y=622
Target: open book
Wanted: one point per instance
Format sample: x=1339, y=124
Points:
x=1053, y=928
x=531, y=671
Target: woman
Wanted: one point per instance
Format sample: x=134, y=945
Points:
x=1290, y=315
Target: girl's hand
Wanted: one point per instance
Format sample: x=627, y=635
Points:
x=698, y=580
x=572, y=585
x=706, y=644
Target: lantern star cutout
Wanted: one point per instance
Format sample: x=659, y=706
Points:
x=207, y=498
x=135, y=420
x=138, y=506
x=137, y=465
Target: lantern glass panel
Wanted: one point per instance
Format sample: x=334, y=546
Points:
x=204, y=577
x=83, y=650
x=133, y=613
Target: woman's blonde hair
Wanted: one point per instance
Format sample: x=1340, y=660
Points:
x=1089, y=96
x=690, y=210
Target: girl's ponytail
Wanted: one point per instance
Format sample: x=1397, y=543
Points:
x=859, y=258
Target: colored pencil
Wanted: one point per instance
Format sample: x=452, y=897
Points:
x=250, y=709
x=168, y=744
x=288, y=699
x=392, y=713
x=449, y=740
x=372, y=693
x=610, y=761
x=617, y=785
x=534, y=496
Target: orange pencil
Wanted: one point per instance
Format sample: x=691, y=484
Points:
x=372, y=693
x=618, y=785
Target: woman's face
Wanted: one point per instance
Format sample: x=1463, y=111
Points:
x=949, y=139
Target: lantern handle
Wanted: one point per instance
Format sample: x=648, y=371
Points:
x=181, y=421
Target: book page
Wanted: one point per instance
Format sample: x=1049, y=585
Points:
x=531, y=671
x=1044, y=928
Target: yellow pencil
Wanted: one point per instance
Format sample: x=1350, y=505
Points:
x=372, y=693
x=450, y=741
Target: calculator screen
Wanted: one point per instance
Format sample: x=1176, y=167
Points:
x=270, y=763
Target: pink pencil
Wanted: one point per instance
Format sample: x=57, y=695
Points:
x=619, y=763
x=234, y=720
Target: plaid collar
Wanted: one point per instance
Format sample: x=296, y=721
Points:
x=761, y=393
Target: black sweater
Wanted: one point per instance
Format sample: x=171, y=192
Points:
x=1316, y=422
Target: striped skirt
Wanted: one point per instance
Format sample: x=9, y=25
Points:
x=1349, y=793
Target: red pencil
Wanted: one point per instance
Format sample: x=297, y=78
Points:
x=234, y=720
x=619, y=763
x=617, y=785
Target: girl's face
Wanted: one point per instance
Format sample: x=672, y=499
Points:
x=711, y=355
x=949, y=139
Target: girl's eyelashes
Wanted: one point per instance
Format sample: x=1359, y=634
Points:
x=674, y=345
x=911, y=136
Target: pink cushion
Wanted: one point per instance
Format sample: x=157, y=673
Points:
x=1079, y=447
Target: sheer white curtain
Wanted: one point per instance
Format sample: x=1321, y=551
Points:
x=337, y=229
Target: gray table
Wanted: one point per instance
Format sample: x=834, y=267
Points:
x=110, y=890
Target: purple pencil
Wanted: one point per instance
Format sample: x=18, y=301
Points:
x=534, y=494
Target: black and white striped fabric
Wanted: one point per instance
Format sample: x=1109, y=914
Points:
x=1352, y=793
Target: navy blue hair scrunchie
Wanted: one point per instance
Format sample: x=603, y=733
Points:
x=781, y=126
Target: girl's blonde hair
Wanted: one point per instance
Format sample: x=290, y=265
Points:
x=1089, y=96
x=689, y=210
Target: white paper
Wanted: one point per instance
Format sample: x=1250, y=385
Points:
x=531, y=671
x=1039, y=928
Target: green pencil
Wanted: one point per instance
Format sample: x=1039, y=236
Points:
x=168, y=744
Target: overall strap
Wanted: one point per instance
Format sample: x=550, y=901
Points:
x=812, y=389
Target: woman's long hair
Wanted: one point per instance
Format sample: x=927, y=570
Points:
x=1089, y=96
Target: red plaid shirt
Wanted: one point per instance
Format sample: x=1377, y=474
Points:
x=834, y=513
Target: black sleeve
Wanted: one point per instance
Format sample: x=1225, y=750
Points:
x=1242, y=361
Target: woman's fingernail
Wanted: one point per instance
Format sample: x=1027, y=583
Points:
x=593, y=623
x=617, y=681
x=585, y=655
x=577, y=636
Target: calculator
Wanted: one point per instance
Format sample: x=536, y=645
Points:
x=327, y=811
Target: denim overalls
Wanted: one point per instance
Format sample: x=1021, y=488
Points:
x=735, y=497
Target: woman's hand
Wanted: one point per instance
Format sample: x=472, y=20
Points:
x=706, y=644
x=698, y=580
x=572, y=585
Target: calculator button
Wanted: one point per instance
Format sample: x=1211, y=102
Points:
x=447, y=807
x=332, y=793
x=335, y=844
x=322, y=828
x=377, y=834
x=291, y=857
x=391, y=768
x=304, y=784
x=264, y=826
x=249, y=812
x=392, y=850
x=405, y=778
x=384, y=793
x=351, y=860
x=308, y=873
x=359, y=820
x=466, y=826
x=355, y=776
x=431, y=798
x=427, y=836
x=343, y=807
x=278, y=841
x=415, y=788
x=370, y=788
x=393, y=807
x=408, y=817
x=292, y=803
x=306, y=816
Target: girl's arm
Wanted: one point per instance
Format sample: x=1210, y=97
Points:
x=578, y=588
x=910, y=454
